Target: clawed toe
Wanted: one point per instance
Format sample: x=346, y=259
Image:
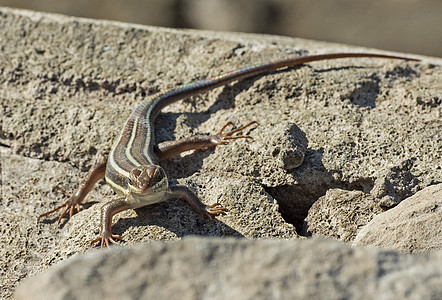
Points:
x=234, y=130
x=226, y=137
x=69, y=206
x=106, y=239
x=61, y=190
x=214, y=210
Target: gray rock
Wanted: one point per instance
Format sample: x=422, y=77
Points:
x=413, y=226
x=287, y=146
x=341, y=214
x=372, y=24
x=198, y=268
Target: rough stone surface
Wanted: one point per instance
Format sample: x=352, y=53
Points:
x=240, y=269
x=377, y=24
x=67, y=85
x=414, y=226
x=341, y=214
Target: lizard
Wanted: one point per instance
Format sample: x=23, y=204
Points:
x=132, y=168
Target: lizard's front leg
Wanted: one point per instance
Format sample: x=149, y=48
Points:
x=107, y=212
x=95, y=174
x=207, y=212
x=172, y=148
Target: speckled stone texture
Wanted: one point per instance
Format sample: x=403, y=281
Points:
x=67, y=85
x=413, y=226
x=198, y=268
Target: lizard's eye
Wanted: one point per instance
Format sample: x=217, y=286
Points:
x=159, y=175
x=136, y=173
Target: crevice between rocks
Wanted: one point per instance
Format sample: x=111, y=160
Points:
x=295, y=200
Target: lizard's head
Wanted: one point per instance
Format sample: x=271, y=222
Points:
x=147, y=180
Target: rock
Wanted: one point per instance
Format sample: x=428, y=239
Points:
x=395, y=184
x=341, y=214
x=413, y=226
x=198, y=268
x=287, y=146
x=376, y=25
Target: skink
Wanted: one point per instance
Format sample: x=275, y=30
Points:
x=132, y=168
